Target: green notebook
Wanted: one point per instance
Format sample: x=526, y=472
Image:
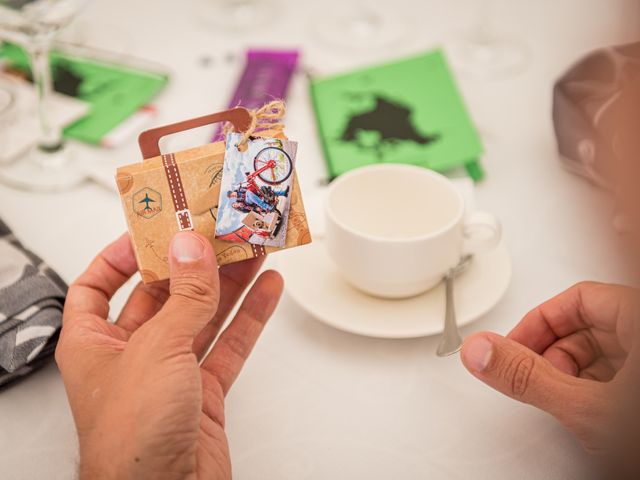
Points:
x=408, y=111
x=114, y=92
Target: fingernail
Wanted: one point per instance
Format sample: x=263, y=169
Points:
x=186, y=247
x=477, y=353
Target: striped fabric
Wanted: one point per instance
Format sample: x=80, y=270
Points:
x=31, y=301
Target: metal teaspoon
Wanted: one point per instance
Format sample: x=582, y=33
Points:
x=451, y=341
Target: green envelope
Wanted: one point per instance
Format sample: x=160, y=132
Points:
x=114, y=92
x=409, y=111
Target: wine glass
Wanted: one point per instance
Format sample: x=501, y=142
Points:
x=33, y=24
x=236, y=14
x=360, y=25
x=485, y=52
x=8, y=108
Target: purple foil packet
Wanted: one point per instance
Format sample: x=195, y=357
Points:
x=266, y=77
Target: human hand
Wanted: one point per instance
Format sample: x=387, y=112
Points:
x=143, y=405
x=566, y=357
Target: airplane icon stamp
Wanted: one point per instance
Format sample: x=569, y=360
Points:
x=147, y=202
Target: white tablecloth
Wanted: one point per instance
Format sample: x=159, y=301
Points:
x=313, y=402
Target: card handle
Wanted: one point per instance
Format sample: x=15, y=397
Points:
x=149, y=140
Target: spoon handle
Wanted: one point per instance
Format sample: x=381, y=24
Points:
x=450, y=342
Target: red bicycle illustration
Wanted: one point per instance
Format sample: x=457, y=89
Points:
x=273, y=165
x=257, y=195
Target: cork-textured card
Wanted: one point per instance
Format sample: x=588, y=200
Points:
x=180, y=191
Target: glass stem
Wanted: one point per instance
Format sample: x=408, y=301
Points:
x=50, y=138
x=484, y=21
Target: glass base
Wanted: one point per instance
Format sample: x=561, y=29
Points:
x=236, y=14
x=491, y=57
x=360, y=26
x=40, y=171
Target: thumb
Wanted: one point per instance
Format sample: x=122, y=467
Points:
x=518, y=372
x=194, y=290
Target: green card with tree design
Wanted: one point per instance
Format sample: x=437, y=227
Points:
x=408, y=111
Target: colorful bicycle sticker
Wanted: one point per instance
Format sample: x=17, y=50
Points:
x=255, y=191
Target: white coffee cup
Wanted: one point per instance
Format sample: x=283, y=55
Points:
x=395, y=230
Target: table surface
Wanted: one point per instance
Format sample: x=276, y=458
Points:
x=314, y=402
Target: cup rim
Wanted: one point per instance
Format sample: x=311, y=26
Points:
x=386, y=166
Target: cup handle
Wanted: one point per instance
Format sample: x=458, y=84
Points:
x=482, y=232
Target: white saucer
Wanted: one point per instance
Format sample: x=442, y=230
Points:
x=314, y=282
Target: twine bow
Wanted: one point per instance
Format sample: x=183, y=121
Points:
x=266, y=118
